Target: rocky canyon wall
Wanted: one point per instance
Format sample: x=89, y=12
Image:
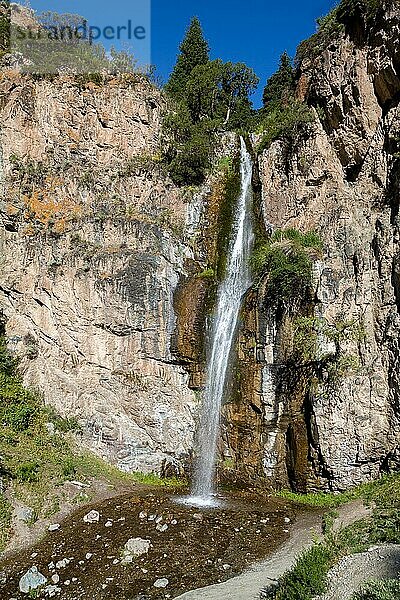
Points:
x=290, y=422
x=94, y=241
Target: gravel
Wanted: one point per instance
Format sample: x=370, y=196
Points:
x=352, y=572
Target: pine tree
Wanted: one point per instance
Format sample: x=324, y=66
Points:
x=280, y=85
x=194, y=51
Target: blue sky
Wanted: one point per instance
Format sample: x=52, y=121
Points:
x=255, y=32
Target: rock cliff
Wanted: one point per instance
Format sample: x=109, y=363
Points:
x=93, y=243
x=340, y=179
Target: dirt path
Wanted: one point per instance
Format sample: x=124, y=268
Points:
x=248, y=585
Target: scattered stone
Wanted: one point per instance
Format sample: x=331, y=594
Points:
x=51, y=566
x=198, y=516
x=264, y=521
x=152, y=517
x=54, y=527
x=127, y=558
x=226, y=567
x=159, y=519
x=287, y=520
x=162, y=528
x=25, y=514
x=61, y=564
x=52, y=590
x=80, y=484
x=50, y=428
x=108, y=524
x=34, y=554
x=3, y=577
x=115, y=561
x=161, y=583
x=67, y=582
x=134, y=547
x=92, y=517
x=143, y=515
x=55, y=578
x=32, y=580
x=88, y=555
x=174, y=522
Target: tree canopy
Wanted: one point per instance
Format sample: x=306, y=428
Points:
x=194, y=51
x=280, y=85
x=209, y=96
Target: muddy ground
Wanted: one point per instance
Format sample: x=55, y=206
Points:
x=197, y=548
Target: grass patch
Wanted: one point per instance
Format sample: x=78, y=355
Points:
x=5, y=521
x=307, y=578
x=379, y=590
x=384, y=492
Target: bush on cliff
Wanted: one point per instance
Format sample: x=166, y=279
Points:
x=332, y=26
x=287, y=258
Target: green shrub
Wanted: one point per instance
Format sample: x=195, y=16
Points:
x=307, y=578
x=193, y=159
x=19, y=407
x=63, y=424
x=353, y=8
x=284, y=122
x=287, y=257
x=332, y=26
x=27, y=471
x=379, y=590
x=69, y=467
x=206, y=274
x=329, y=28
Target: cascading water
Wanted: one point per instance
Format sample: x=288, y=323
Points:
x=230, y=294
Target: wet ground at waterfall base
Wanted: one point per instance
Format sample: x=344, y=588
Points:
x=190, y=547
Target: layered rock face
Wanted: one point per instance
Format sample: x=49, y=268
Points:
x=94, y=241
x=340, y=179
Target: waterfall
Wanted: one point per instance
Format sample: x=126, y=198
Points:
x=230, y=294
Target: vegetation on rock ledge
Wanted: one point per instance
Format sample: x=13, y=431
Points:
x=287, y=257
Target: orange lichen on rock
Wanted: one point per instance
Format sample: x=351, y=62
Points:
x=44, y=206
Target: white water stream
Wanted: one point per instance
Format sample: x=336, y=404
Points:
x=230, y=295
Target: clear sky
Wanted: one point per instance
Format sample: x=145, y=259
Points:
x=252, y=31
